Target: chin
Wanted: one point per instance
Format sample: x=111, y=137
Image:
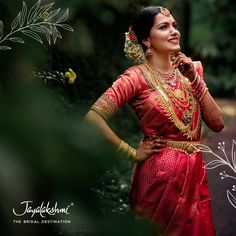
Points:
x=173, y=49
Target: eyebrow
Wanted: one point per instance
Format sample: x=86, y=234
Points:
x=166, y=22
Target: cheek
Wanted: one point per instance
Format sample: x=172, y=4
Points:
x=160, y=36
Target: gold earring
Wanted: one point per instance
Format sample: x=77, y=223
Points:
x=148, y=52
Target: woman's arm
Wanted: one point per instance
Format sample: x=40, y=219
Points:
x=126, y=87
x=211, y=113
x=144, y=149
x=98, y=121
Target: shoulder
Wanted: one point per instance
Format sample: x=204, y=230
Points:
x=132, y=74
x=131, y=79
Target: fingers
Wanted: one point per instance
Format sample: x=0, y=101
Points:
x=182, y=62
x=153, y=145
x=157, y=141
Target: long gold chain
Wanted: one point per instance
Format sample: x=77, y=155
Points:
x=169, y=97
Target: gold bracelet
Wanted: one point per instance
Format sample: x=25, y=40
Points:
x=129, y=152
x=196, y=77
x=121, y=145
x=196, y=84
x=203, y=94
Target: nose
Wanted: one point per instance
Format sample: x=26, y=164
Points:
x=174, y=31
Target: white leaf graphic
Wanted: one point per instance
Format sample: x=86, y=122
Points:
x=32, y=35
x=38, y=21
x=231, y=198
x=54, y=34
x=37, y=28
x=202, y=148
x=64, y=17
x=52, y=14
x=233, y=153
x=5, y=48
x=1, y=29
x=59, y=35
x=213, y=164
x=33, y=12
x=17, y=40
x=23, y=14
x=43, y=9
x=15, y=22
x=47, y=33
x=67, y=27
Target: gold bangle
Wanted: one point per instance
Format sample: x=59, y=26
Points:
x=126, y=149
x=129, y=152
x=121, y=145
x=196, y=77
x=196, y=84
x=203, y=94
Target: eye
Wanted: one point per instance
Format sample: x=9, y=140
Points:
x=175, y=25
x=163, y=26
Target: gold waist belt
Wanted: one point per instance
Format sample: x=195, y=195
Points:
x=185, y=146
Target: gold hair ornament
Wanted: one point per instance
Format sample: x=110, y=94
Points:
x=133, y=50
x=164, y=11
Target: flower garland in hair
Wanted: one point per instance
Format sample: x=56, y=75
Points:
x=133, y=50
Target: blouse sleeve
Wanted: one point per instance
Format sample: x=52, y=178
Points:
x=199, y=68
x=124, y=89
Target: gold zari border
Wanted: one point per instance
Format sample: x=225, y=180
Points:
x=105, y=106
x=186, y=146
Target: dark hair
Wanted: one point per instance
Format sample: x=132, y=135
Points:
x=143, y=22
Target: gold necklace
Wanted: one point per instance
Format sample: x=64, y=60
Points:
x=168, y=94
x=179, y=93
x=170, y=82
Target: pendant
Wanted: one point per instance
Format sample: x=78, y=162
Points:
x=187, y=117
x=178, y=93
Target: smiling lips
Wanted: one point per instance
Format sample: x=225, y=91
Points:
x=174, y=40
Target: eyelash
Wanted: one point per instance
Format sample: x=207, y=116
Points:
x=165, y=26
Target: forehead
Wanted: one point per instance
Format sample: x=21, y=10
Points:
x=159, y=18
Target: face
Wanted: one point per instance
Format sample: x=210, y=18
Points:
x=164, y=36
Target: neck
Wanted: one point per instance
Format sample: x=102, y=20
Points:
x=160, y=62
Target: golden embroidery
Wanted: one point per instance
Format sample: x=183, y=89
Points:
x=186, y=146
x=105, y=106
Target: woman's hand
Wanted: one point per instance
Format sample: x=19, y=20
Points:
x=185, y=66
x=148, y=147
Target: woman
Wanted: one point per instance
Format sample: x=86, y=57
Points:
x=169, y=185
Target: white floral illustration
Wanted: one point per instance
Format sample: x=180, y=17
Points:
x=224, y=160
x=40, y=19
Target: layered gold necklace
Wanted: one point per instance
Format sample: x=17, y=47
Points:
x=174, y=94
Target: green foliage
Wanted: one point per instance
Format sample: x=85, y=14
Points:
x=213, y=39
x=45, y=156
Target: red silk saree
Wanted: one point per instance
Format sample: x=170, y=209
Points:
x=170, y=188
